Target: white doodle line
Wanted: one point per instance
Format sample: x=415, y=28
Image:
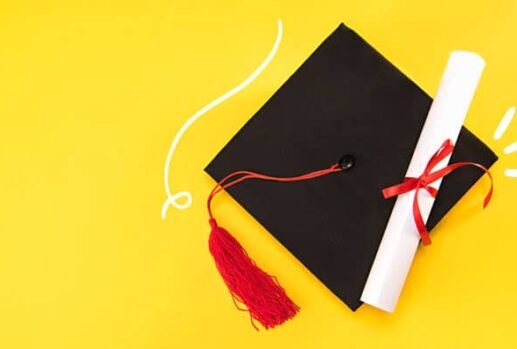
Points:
x=499, y=132
x=511, y=148
x=505, y=122
x=172, y=199
x=511, y=172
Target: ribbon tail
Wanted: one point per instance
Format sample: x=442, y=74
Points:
x=488, y=197
x=419, y=221
x=450, y=168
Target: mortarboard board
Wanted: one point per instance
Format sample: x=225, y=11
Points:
x=345, y=100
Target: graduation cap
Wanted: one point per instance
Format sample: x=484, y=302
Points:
x=349, y=111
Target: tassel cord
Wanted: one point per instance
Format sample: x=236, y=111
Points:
x=227, y=181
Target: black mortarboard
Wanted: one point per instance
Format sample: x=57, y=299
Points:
x=346, y=98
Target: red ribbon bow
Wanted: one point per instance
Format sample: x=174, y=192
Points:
x=426, y=179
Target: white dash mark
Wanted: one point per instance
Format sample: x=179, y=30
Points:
x=511, y=148
x=172, y=199
x=511, y=172
x=505, y=122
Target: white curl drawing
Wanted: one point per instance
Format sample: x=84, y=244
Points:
x=174, y=199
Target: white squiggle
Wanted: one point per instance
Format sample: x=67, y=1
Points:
x=511, y=172
x=505, y=122
x=172, y=199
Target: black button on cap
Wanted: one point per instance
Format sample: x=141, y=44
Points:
x=346, y=162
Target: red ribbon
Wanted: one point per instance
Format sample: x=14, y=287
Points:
x=426, y=179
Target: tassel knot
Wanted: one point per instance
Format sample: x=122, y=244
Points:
x=213, y=223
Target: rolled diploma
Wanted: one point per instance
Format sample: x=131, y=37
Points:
x=444, y=121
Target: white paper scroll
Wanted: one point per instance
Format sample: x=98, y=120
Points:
x=444, y=121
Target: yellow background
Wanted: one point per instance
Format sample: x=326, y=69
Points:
x=91, y=95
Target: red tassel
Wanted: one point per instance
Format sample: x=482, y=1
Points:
x=260, y=292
